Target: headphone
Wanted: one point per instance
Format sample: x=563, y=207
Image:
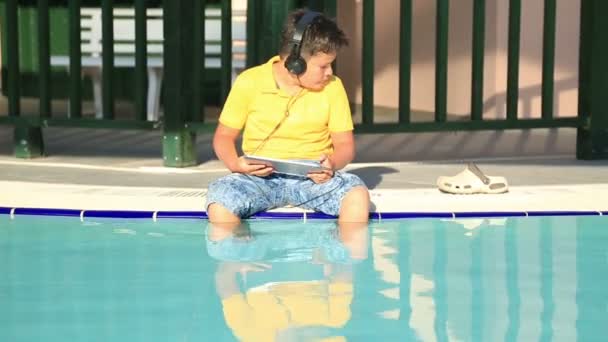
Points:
x=294, y=63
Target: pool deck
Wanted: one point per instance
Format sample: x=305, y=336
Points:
x=98, y=169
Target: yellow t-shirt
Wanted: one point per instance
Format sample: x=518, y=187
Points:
x=256, y=105
x=261, y=314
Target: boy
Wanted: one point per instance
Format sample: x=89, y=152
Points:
x=291, y=107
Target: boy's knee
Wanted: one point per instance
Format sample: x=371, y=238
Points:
x=355, y=205
x=225, y=200
x=217, y=213
x=358, y=194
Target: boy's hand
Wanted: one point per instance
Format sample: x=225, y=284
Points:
x=325, y=175
x=254, y=169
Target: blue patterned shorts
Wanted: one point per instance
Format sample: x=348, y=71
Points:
x=290, y=241
x=245, y=195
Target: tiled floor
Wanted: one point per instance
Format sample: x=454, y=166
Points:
x=103, y=169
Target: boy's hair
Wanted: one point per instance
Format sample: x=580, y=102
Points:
x=322, y=35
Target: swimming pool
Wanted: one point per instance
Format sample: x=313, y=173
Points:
x=427, y=279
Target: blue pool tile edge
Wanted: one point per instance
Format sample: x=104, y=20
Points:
x=283, y=215
x=116, y=214
x=182, y=214
x=46, y=212
x=565, y=213
x=404, y=215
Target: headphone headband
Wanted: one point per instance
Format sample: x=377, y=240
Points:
x=295, y=63
x=302, y=25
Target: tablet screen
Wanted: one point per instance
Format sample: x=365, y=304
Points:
x=289, y=167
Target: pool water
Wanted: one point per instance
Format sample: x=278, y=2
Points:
x=515, y=279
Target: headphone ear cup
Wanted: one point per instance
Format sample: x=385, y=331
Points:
x=295, y=65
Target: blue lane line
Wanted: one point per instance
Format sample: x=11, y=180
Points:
x=285, y=215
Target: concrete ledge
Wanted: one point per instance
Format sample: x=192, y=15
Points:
x=562, y=198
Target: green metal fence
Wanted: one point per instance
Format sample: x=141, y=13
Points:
x=476, y=121
x=184, y=73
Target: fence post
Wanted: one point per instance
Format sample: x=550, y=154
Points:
x=592, y=138
x=179, y=148
x=28, y=141
x=27, y=138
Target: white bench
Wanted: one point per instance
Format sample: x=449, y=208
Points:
x=124, y=48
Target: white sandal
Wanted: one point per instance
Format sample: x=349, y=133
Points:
x=472, y=181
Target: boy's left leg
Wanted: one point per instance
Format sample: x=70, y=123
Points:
x=345, y=195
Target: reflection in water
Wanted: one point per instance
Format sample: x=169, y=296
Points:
x=517, y=279
x=286, y=283
x=546, y=286
x=512, y=275
x=497, y=280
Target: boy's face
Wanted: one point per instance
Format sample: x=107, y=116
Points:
x=318, y=71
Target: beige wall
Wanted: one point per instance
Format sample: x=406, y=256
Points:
x=459, y=68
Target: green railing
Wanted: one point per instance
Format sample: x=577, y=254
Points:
x=184, y=72
x=592, y=118
x=476, y=122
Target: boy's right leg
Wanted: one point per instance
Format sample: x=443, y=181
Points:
x=220, y=215
x=237, y=196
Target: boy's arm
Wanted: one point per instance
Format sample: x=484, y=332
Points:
x=344, y=149
x=340, y=126
x=344, y=152
x=224, y=145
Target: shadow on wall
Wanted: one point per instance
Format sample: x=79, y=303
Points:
x=372, y=175
x=529, y=96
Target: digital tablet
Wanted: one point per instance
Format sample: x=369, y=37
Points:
x=289, y=167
